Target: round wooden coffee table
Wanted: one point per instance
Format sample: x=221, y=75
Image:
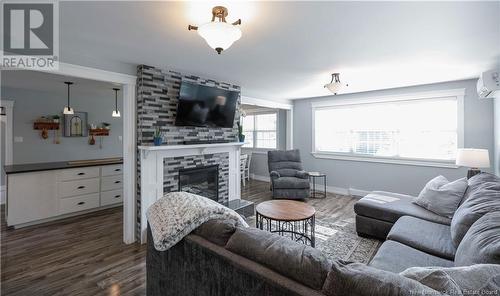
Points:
x=287, y=218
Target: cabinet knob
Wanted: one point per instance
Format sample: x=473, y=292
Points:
x=116, y=182
x=81, y=174
x=81, y=203
x=80, y=187
x=117, y=196
x=117, y=170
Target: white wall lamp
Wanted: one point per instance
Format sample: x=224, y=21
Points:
x=219, y=34
x=68, y=110
x=474, y=159
x=335, y=85
x=116, y=113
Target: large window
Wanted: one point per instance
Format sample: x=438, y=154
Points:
x=416, y=129
x=260, y=131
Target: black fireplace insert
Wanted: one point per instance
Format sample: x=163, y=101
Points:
x=203, y=181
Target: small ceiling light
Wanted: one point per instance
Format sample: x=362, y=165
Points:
x=116, y=113
x=219, y=34
x=68, y=110
x=335, y=85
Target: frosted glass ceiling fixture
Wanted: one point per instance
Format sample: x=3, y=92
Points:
x=218, y=33
x=68, y=110
x=116, y=112
x=335, y=85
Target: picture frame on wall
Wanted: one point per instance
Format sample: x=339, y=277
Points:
x=75, y=125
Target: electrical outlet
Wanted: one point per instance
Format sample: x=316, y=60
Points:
x=18, y=139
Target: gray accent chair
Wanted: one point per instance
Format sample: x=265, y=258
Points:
x=288, y=179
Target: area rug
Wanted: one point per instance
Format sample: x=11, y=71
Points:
x=338, y=239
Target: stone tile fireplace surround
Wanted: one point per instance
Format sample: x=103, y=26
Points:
x=157, y=99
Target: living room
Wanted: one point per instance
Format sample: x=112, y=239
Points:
x=255, y=148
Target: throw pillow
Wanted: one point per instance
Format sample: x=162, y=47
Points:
x=441, y=196
x=348, y=278
x=217, y=231
x=302, y=263
x=479, y=279
x=483, y=199
x=481, y=243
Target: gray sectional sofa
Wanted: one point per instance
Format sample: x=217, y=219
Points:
x=219, y=258
x=417, y=237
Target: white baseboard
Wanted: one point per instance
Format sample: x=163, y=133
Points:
x=330, y=189
x=260, y=178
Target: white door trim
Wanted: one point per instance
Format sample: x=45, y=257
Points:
x=9, y=111
x=128, y=83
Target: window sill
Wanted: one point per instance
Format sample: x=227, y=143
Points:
x=387, y=160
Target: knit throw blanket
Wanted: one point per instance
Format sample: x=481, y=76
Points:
x=176, y=214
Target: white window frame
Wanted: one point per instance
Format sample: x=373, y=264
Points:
x=263, y=150
x=458, y=93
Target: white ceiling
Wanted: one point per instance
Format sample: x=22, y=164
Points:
x=289, y=49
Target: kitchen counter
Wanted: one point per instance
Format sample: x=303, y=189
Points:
x=47, y=166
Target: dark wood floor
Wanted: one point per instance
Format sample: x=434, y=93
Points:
x=86, y=256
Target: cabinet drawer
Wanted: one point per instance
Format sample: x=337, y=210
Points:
x=110, y=170
x=78, y=187
x=111, y=197
x=78, y=173
x=111, y=182
x=78, y=203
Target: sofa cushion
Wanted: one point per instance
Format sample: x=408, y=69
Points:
x=480, y=279
x=481, y=244
x=279, y=160
x=426, y=236
x=482, y=199
x=290, y=182
x=441, y=196
x=217, y=231
x=297, y=261
x=347, y=279
x=476, y=181
x=388, y=206
x=396, y=257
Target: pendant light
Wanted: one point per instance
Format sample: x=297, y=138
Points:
x=335, y=85
x=218, y=33
x=68, y=110
x=116, y=113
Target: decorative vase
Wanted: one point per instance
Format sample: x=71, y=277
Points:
x=242, y=138
x=157, y=141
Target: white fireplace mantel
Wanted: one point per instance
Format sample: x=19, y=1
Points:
x=152, y=169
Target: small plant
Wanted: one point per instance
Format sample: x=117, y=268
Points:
x=158, y=136
x=241, y=136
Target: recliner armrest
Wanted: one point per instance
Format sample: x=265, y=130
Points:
x=302, y=174
x=274, y=175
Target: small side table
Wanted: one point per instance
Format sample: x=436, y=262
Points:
x=314, y=192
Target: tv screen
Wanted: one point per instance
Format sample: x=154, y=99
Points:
x=201, y=105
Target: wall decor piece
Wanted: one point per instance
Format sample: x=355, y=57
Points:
x=75, y=125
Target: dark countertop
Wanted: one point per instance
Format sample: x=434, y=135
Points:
x=47, y=166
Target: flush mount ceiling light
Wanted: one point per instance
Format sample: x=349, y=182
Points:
x=116, y=113
x=68, y=110
x=335, y=85
x=218, y=33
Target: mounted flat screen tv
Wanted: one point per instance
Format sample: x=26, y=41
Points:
x=205, y=106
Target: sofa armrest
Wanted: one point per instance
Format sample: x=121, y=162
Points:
x=302, y=174
x=274, y=175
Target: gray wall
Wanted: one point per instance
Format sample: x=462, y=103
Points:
x=391, y=177
x=30, y=104
x=258, y=166
x=496, y=158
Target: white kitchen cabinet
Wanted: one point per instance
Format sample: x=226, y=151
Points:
x=40, y=196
